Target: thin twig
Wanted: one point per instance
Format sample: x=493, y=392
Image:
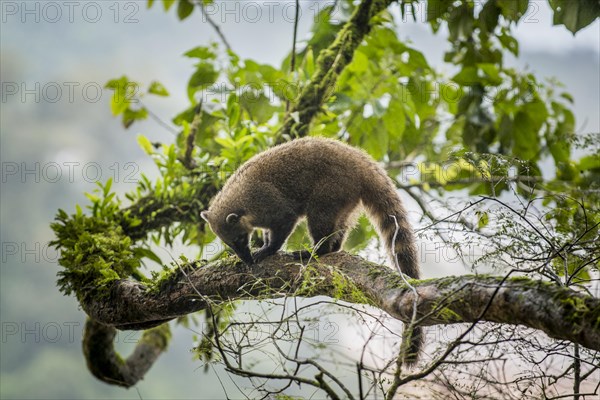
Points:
x=408, y=330
x=187, y=160
x=293, y=59
x=158, y=119
x=296, y=17
x=212, y=23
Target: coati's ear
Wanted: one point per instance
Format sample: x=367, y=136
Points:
x=204, y=215
x=232, y=218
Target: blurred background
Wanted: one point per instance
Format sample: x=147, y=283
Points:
x=58, y=137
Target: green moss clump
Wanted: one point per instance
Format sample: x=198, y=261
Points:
x=171, y=276
x=579, y=309
x=345, y=289
x=312, y=280
x=447, y=315
x=93, y=252
x=338, y=285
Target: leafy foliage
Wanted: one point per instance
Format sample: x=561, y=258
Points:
x=486, y=133
x=484, y=130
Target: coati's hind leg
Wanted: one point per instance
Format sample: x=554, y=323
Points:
x=328, y=231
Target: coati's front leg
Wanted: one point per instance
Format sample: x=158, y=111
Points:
x=274, y=239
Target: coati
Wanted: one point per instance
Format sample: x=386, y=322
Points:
x=322, y=179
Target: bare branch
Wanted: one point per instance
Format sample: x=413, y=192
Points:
x=212, y=23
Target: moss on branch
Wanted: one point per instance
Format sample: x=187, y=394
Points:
x=330, y=63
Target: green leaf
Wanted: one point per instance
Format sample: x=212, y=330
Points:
x=145, y=144
x=168, y=4
x=158, y=89
x=394, y=119
x=201, y=52
x=467, y=77
x=118, y=103
x=589, y=162
x=491, y=72
x=437, y=8
x=483, y=219
x=233, y=111
x=107, y=186
x=130, y=116
x=124, y=94
x=568, y=97
x=227, y=143
x=537, y=112
x=575, y=15
x=115, y=83
x=258, y=107
x=149, y=3
x=141, y=252
x=505, y=132
x=526, y=144
x=509, y=42
x=184, y=9
x=557, y=139
x=204, y=76
x=92, y=197
x=488, y=17
x=370, y=135
x=513, y=10
x=461, y=22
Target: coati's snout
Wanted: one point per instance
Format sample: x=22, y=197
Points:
x=233, y=232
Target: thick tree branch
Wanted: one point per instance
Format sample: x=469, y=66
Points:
x=560, y=312
x=106, y=364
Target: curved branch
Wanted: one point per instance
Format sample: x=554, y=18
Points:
x=108, y=366
x=560, y=312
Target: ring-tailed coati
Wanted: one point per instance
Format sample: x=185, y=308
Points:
x=324, y=180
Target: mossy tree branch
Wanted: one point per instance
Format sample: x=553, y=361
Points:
x=560, y=312
x=330, y=64
x=106, y=364
x=158, y=213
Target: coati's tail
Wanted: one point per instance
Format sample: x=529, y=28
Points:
x=386, y=210
x=416, y=340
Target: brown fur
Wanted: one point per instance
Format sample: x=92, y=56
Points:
x=322, y=179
